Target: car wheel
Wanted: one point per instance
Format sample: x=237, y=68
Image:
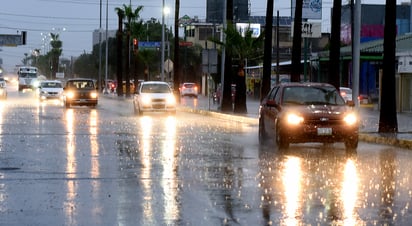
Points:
x=67, y=104
x=262, y=133
x=281, y=140
x=351, y=143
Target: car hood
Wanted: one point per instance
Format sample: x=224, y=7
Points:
x=52, y=89
x=156, y=95
x=315, y=111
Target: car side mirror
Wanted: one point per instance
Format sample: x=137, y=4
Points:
x=271, y=103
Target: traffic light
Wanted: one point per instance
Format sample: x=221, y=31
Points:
x=135, y=44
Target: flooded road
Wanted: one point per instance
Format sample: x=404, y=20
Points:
x=105, y=166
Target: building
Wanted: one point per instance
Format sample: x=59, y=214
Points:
x=110, y=34
x=214, y=11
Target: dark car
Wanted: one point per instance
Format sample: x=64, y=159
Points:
x=307, y=112
x=80, y=92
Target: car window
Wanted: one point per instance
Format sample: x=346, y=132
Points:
x=188, y=85
x=312, y=95
x=51, y=85
x=80, y=84
x=155, y=88
x=272, y=93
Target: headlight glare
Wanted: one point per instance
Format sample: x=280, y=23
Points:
x=146, y=100
x=93, y=95
x=170, y=100
x=350, y=119
x=70, y=95
x=294, y=119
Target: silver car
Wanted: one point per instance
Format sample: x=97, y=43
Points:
x=154, y=96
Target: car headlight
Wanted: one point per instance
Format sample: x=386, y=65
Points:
x=350, y=119
x=70, y=95
x=93, y=95
x=294, y=119
x=146, y=100
x=36, y=84
x=170, y=100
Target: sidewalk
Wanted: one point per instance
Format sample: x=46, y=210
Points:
x=368, y=128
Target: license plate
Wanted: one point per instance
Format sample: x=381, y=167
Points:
x=324, y=131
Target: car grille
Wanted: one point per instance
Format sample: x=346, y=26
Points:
x=158, y=103
x=323, y=121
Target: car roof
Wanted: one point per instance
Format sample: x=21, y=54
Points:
x=51, y=81
x=80, y=79
x=154, y=82
x=303, y=84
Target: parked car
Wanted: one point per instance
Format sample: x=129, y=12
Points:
x=154, y=96
x=307, y=112
x=50, y=89
x=346, y=93
x=189, y=89
x=80, y=91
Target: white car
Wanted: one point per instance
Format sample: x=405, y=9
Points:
x=189, y=89
x=50, y=89
x=154, y=96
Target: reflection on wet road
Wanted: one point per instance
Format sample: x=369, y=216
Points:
x=105, y=166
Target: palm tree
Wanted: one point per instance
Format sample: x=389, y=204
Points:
x=297, y=40
x=176, y=68
x=119, y=34
x=241, y=48
x=388, y=119
x=334, y=56
x=267, y=59
x=131, y=16
x=226, y=104
x=55, y=53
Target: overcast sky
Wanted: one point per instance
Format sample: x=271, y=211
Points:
x=75, y=20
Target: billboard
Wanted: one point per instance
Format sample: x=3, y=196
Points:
x=242, y=28
x=311, y=9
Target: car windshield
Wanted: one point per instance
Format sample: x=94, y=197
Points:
x=51, y=85
x=80, y=84
x=155, y=88
x=189, y=85
x=305, y=95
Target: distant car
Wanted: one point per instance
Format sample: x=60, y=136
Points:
x=189, y=89
x=50, y=89
x=307, y=112
x=346, y=93
x=80, y=92
x=3, y=88
x=154, y=96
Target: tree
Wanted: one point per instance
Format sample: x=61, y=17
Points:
x=176, y=68
x=297, y=40
x=131, y=17
x=241, y=47
x=267, y=58
x=227, y=104
x=55, y=53
x=334, y=56
x=388, y=118
x=119, y=36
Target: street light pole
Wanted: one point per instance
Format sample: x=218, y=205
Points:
x=163, y=43
x=107, y=46
x=100, y=48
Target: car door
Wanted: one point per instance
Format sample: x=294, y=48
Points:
x=269, y=111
